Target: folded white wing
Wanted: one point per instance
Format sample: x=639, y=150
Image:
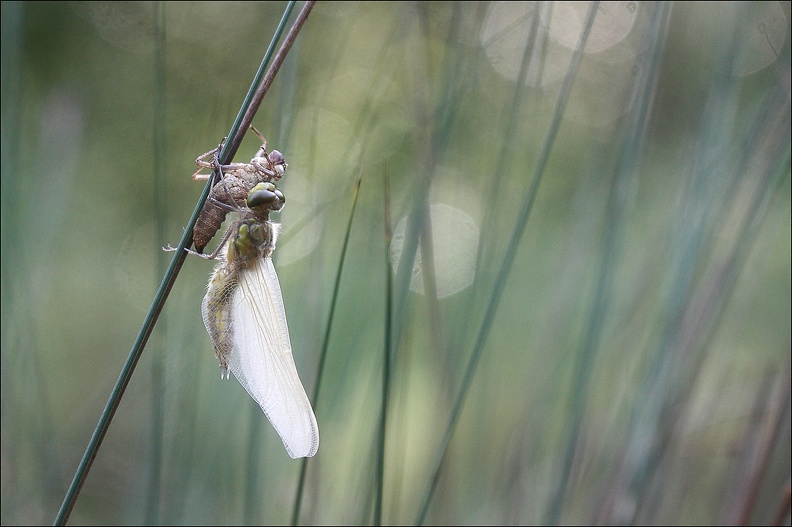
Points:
x=262, y=360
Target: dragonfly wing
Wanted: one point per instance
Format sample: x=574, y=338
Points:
x=262, y=361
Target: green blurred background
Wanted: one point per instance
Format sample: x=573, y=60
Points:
x=636, y=369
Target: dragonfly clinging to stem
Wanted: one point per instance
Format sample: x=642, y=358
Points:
x=243, y=307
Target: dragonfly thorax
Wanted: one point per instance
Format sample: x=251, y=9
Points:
x=253, y=239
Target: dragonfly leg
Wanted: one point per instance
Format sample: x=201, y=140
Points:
x=260, y=136
x=219, y=247
x=170, y=248
x=203, y=163
x=222, y=205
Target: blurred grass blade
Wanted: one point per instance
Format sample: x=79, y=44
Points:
x=508, y=258
x=325, y=342
x=691, y=306
x=622, y=187
x=386, y=359
x=760, y=450
x=160, y=207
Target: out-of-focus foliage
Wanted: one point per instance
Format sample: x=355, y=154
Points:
x=636, y=369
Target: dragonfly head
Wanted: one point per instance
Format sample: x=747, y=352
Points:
x=265, y=197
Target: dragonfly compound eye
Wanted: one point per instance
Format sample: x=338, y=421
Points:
x=266, y=196
x=261, y=198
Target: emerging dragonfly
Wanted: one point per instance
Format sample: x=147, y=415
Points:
x=236, y=180
x=244, y=315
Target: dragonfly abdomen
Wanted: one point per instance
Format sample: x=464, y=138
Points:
x=216, y=311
